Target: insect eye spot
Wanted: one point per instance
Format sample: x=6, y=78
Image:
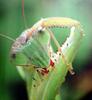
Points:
x=67, y=44
x=13, y=55
x=34, y=85
x=52, y=56
x=37, y=70
x=55, y=59
x=60, y=54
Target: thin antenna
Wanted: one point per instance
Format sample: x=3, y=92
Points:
x=23, y=14
x=5, y=36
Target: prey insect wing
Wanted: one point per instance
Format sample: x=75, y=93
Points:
x=36, y=50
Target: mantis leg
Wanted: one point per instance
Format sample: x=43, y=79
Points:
x=54, y=39
x=70, y=68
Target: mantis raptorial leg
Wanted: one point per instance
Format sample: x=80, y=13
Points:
x=60, y=52
x=54, y=39
x=40, y=26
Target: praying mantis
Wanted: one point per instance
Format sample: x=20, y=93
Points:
x=39, y=59
x=41, y=26
x=44, y=25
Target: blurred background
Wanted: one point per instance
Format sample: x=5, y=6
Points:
x=12, y=86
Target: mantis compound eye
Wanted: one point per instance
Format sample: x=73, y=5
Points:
x=13, y=55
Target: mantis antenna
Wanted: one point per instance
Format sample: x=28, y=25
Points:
x=9, y=38
x=23, y=14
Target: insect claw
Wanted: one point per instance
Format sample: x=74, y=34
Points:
x=71, y=72
x=70, y=68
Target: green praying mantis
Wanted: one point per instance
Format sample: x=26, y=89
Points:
x=32, y=34
x=35, y=32
x=43, y=69
x=31, y=39
x=32, y=50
